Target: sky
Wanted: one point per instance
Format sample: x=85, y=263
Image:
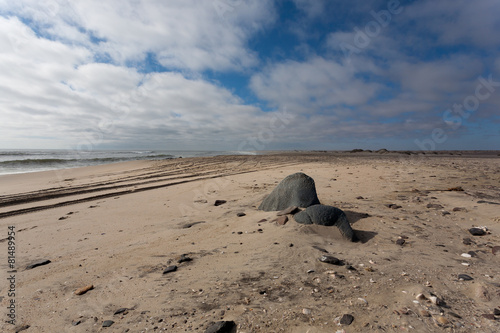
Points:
x=242, y=75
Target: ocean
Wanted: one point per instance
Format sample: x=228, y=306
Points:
x=23, y=161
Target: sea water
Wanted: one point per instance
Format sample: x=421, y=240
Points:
x=23, y=161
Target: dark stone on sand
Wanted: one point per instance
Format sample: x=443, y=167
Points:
x=76, y=322
x=331, y=260
x=63, y=218
x=107, y=323
x=393, y=206
x=170, y=269
x=240, y=214
x=282, y=220
x=459, y=209
x=120, y=310
x=38, y=263
x=222, y=327
x=295, y=190
x=22, y=328
x=184, y=258
x=189, y=225
x=359, y=198
x=465, y=277
x=477, y=231
x=488, y=202
x=495, y=249
x=400, y=241
x=219, y=202
x=327, y=216
x=346, y=319
x=468, y=241
x=489, y=316
x=289, y=210
x=435, y=206
x=496, y=312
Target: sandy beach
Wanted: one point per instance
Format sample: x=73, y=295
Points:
x=117, y=227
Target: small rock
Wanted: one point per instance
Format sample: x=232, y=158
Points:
x=421, y=297
x=477, y=231
x=457, y=188
x=442, y=320
x=436, y=300
x=83, y=290
x=306, y=311
x=495, y=249
x=170, y=269
x=219, y=202
x=107, y=323
x=424, y=313
x=346, y=319
x=435, y=206
x=496, y=312
x=489, y=316
x=222, y=327
x=282, y=220
x=22, y=328
x=400, y=241
x=240, y=214
x=331, y=260
x=76, y=322
x=466, y=255
x=468, y=241
x=289, y=210
x=62, y=218
x=444, y=213
x=38, y=263
x=459, y=209
x=393, y=206
x=184, y=258
x=465, y=277
x=359, y=198
x=120, y=310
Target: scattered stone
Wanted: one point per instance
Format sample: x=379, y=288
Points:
x=477, y=231
x=436, y=300
x=466, y=255
x=170, y=269
x=359, y=198
x=120, y=310
x=219, y=202
x=496, y=312
x=184, y=258
x=189, y=225
x=22, y=328
x=107, y=323
x=346, y=319
x=495, y=249
x=327, y=216
x=489, y=316
x=331, y=260
x=442, y=320
x=424, y=313
x=393, y=206
x=290, y=210
x=240, y=214
x=306, y=311
x=38, y=263
x=435, y=206
x=458, y=189
x=76, y=322
x=468, y=241
x=445, y=212
x=63, y=218
x=459, y=209
x=297, y=189
x=83, y=290
x=400, y=241
x=465, y=277
x=222, y=327
x=282, y=220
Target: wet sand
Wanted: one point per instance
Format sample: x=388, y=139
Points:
x=117, y=227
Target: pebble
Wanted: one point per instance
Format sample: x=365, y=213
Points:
x=240, y=214
x=468, y=241
x=120, y=310
x=83, y=290
x=436, y=300
x=107, y=323
x=400, y=241
x=442, y=320
x=184, y=258
x=393, y=206
x=465, y=277
x=22, y=328
x=424, y=313
x=38, y=263
x=346, y=319
x=219, y=202
x=170, y=269
x=477, y=231
x=331, y=260
x=282, y=220
x=466, y=255
x=76, y=322
x=306, y=311
x=435, y=206
x=496, y=312
x=222, y=327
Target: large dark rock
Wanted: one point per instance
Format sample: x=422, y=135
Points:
x=222, y=327
x=295, y=190
x=328, y=216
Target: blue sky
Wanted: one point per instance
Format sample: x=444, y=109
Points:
x=250, y=75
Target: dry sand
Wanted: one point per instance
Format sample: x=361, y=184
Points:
x=117, y=227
